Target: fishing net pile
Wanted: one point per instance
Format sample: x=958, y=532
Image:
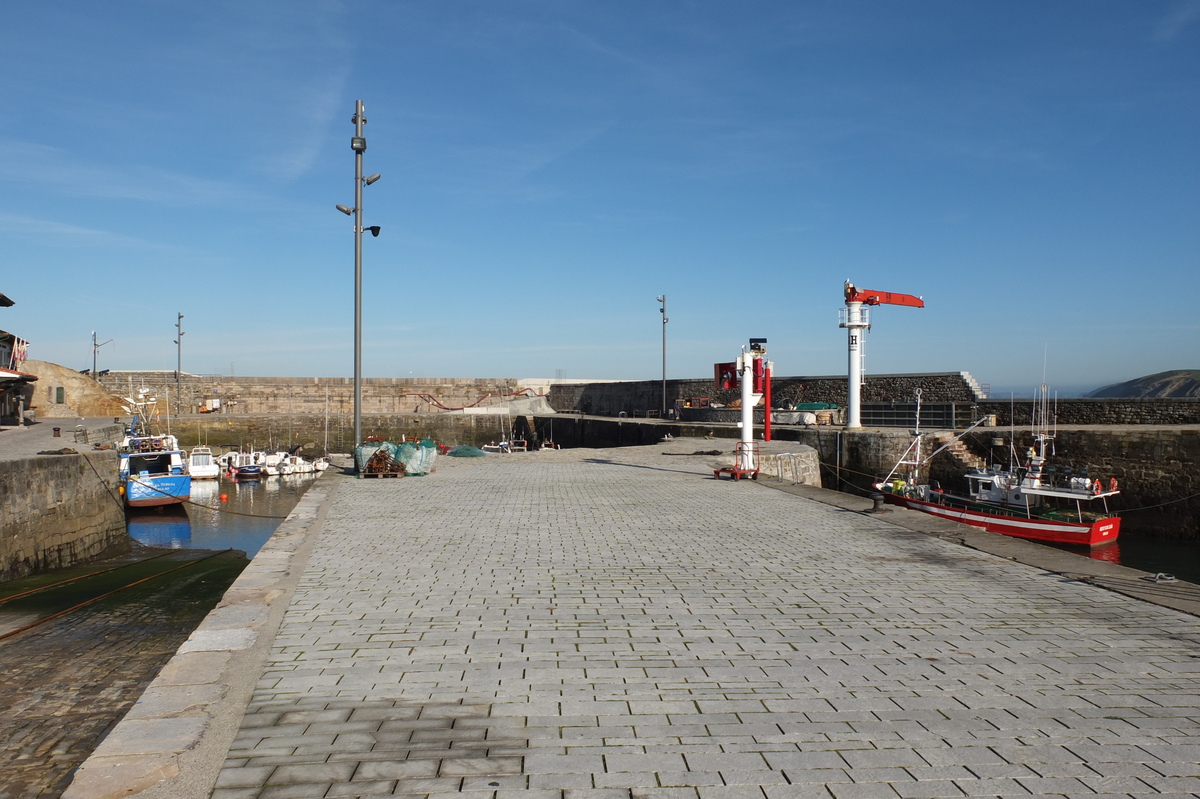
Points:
x=465, y=451
x=408, y=458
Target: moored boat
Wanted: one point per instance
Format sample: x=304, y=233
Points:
x=246, y=466
x=1030, y=498
x=153, y=469
x=272, y=463
x=202, y=465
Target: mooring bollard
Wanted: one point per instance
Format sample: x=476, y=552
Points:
x=58, y=432
x=878, y=506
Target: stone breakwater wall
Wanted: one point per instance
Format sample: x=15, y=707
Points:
x=637, y=398
x=1154, y=411
x=309, y=395
x=314, y=433
x=58, y=511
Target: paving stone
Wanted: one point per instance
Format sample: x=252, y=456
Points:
x=615, y=623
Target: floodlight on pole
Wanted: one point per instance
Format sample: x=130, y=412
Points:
x=358, y=144
x=95, y=348
x=178, y=357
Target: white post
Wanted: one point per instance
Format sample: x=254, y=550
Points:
x=746, y=370
x=855, y=328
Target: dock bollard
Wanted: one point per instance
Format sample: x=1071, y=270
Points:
x=878, y=506
x=58, y=432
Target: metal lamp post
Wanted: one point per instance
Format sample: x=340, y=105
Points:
x=663, y=310
x=178, y=359
x=96, y=348
x=359, y=145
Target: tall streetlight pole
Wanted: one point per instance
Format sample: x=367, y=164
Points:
x=359, y=145
x=663, y=310
x=178, y=358
x=95, y=348
x=179, y=350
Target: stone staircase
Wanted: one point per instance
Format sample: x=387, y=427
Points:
x=973, y=384
x=959, y=452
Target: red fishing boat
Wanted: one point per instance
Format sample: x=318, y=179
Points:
x=1030, y=498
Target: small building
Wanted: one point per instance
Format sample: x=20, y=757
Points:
x=15, y=386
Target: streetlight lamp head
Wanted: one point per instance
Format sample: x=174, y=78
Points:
x=369, y=179
x=374, y=230
x=344, y=209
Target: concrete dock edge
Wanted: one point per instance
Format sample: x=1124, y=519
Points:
x=173, y=741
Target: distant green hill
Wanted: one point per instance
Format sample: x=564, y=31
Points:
x=1177, y=383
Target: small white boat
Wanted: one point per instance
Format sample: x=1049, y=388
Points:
x=300, y=465
x=202, y=465
x=272, y=463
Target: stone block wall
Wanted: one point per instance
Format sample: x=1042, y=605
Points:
x=309, y=395
x=636, y=398
x=1075, y=411
x=314, y=433
x=58, y=511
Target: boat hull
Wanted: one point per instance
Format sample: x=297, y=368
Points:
x=155, y=491
x=1095, y=534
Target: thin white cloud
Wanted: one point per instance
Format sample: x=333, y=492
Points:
x=57, y=170
x=1176, y=20
x=315, y=106
x=53, y=233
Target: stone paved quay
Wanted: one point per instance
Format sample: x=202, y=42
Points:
x=588, y=624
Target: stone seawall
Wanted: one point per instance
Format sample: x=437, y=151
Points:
x=638, y=398
x=58, y=511
x=644, y=399
x=316, y=433
x=1154, y=411
x=309, y=395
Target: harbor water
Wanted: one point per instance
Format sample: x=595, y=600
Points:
x=222, y=514
x=1174, y=557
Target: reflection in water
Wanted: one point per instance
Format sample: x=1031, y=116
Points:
x=247, y=517
x=167, y=527
x=1179, y=558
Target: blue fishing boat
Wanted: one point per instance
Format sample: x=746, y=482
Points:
x=153, y=469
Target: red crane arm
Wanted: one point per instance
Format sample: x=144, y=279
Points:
x=868, y=297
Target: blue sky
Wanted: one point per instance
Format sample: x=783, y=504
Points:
x=1031, y=169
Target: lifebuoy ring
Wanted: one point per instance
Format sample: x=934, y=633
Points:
x=1098, y=486
x=157, y=444
x=143, y=445
x=1112, y=484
